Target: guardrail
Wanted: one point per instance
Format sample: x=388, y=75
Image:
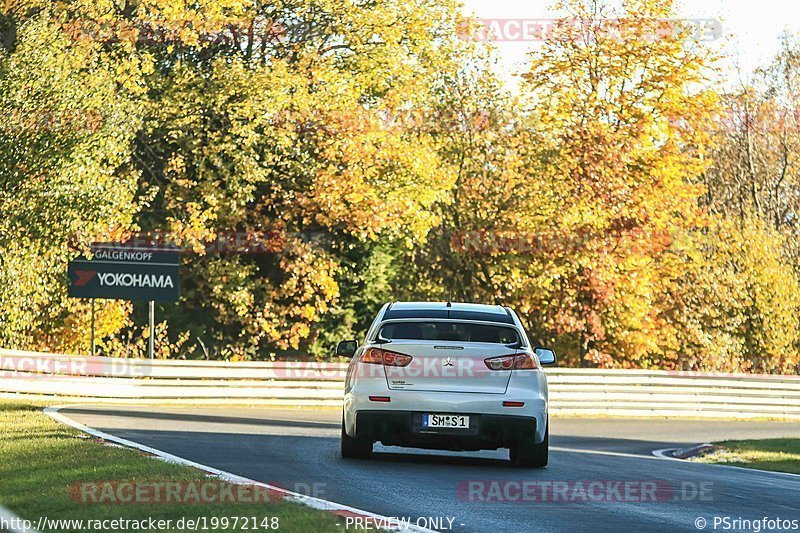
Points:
x=572, y=391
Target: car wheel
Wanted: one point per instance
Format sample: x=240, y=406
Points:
x=531, y=456
x=354, y=447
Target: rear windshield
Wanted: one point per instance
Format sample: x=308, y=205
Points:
x=449, y=331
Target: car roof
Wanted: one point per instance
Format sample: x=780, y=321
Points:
x=454, y=310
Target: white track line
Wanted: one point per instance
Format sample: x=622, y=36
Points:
x=315, y=503
x=12, y=523
x=600, y=452
x=666, y=453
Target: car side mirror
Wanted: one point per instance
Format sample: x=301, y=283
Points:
x=546, y=356
x=346, y=348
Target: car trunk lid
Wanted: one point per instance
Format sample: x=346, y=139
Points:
x=447, y=366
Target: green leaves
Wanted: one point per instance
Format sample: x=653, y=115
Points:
x=64, y=173
x=382, y=158
x=735, y=304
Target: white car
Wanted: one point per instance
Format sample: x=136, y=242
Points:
x=449, y=376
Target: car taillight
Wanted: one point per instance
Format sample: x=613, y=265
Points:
x=521, y=361
x=376, y=356
x=525, y=361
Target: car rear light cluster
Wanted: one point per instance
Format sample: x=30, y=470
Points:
x=380, y=399
x=376, y=356
x=522, y=361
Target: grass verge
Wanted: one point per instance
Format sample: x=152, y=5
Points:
x=42, y=460
x=778, y=455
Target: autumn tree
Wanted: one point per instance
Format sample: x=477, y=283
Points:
x=480, y=138
x=287, y=119
x=372, y=152
x=754, y=169
x=741, y=308
x=734, y=306
x=64, y=172
x=613, y=99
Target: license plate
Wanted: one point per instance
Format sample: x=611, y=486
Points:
x=445, y=421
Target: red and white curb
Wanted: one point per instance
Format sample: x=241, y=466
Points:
x=344, y=511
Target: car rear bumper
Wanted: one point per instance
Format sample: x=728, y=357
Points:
x=486, y=431
x=500, y=424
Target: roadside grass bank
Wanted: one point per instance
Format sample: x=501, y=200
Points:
x=777, y=455
x=51, y=470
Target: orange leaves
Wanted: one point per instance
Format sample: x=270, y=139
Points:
x=735, y=304
x=352, y=135
x=609, y=96
x=372, y=174
x=231, y=116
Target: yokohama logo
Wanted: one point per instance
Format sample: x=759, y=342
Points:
x=84, y=277
x=135, y=280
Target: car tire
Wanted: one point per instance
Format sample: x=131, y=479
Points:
x=354, y=447
x=531, y=456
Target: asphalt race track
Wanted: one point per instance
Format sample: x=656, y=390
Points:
x=298, y=450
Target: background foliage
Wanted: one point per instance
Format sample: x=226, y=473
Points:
x=632, y=211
